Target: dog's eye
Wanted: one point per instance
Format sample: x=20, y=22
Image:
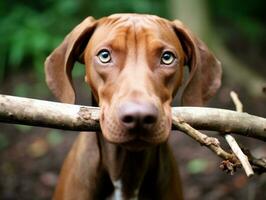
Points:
x=104, y=56
x=167, y=58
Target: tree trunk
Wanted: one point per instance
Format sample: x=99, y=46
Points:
x=195, y=14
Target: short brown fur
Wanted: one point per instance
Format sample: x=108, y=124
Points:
x=122, y=162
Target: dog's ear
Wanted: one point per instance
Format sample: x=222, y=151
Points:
x=59, y=63
x=205, y=70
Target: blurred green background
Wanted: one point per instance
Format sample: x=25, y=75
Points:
x=30, y=158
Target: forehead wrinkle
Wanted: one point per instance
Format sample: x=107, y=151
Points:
x=133, y=33
x=162, y=37
x=114, y=38
x=119, y=39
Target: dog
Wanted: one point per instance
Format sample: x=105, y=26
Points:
x=134, y=66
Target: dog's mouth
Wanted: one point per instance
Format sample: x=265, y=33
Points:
x=136, y=145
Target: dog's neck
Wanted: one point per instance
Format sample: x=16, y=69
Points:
x=126, y=169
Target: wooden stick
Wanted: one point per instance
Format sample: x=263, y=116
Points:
x=232, y=141
x=237, y=102
x=18, y=110
x=33, y=112
x=224, y=121
x=240, y=155
x=210, y=142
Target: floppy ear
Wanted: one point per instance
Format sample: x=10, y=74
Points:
x=59, y=63
x=205, y=70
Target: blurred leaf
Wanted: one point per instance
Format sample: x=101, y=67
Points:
x=252, y=29
x=197, y=166
x=38, y=148
x=3, y=141
x=22, y=90
x=67, y=7
x=17, y=48
x=23, y=128
x=54, y=137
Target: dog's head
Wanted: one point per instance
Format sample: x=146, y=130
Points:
x=134, y=66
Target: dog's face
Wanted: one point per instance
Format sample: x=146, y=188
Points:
x=134, y=66
x=137, y=62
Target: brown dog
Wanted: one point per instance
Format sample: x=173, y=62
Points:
x=134, y=66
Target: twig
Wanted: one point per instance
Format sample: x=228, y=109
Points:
x=237, y=102
x=239, y=154
x=232, y=141
x=210, y=142
x=231, y=162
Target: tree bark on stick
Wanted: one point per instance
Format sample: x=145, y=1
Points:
x=18, y=110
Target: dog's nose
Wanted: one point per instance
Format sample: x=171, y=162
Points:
x=137, y=115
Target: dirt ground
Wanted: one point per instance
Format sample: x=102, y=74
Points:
x=30, y=158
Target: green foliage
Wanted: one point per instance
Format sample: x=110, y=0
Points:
x=197, y=166
x=3, y=141
x=247, y=17
x=23, y=128
x=28, y=34
x=103, y=7
x=22, y=90
x=54, y=137
x=29, y=31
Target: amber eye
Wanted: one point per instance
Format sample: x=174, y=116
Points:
x=167, y=58
x=104, y=56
